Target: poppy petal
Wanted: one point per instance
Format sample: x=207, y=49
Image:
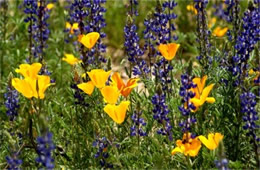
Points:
x=110, y=94
x=88, y=87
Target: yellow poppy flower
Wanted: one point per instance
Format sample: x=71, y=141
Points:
x=212, y=22
x=71, y=59
x=89, y=40
x=117, y=113
x=87, y=87
x=192, y=9
x=168, y=51
x=50, y=6
x=110, y=94
x=201, y=93
x=256, y=73
x=212, y=141
x=125, y=89
x=187, y=146
x=99, y=77
x=30, y=87
x=74, y=26
x=220, y=32
x=28, y=70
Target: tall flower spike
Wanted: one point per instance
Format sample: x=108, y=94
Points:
x=160, y=114
x=45, y=147
x=11, y=103
x=187, y=106
x=250, y=117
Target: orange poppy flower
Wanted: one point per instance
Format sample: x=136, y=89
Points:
x=220, y=32
x=168, y=51
x=89, y=40
x=110, y=94
x=99, y=77
x=71, y=59
x=187, y=146
x=73, y=27
x=117, y=113
x=201, y=93
x=125, y=89
x=28, y=70
x=88, y=87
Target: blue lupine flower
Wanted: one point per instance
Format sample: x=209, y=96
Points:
x=13, y=162
x=203, y=33
x=245, y=43
x=220, y=11
x=248, y=103
x=222, y=164
x=45, y=147
x=132, y=47
x=186, y=106
x=11, y=103
x=102, y=145
x=139, y=123
x=30, y=8
x=160, y=113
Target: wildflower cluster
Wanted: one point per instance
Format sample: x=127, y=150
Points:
x=33, y=85
x=85, y=17
x=161, y=98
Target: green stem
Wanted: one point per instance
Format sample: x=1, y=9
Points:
x=188, y=162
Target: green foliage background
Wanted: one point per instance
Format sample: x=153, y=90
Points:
x=75, y=128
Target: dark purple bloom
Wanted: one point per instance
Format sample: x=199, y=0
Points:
x=222, y=164
x=11, y=103
x=138, y=124
x=248, y=103
x=13, y=162
x=187, y=106
x=102, y=154
x=45, y=147
x=160, y=114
